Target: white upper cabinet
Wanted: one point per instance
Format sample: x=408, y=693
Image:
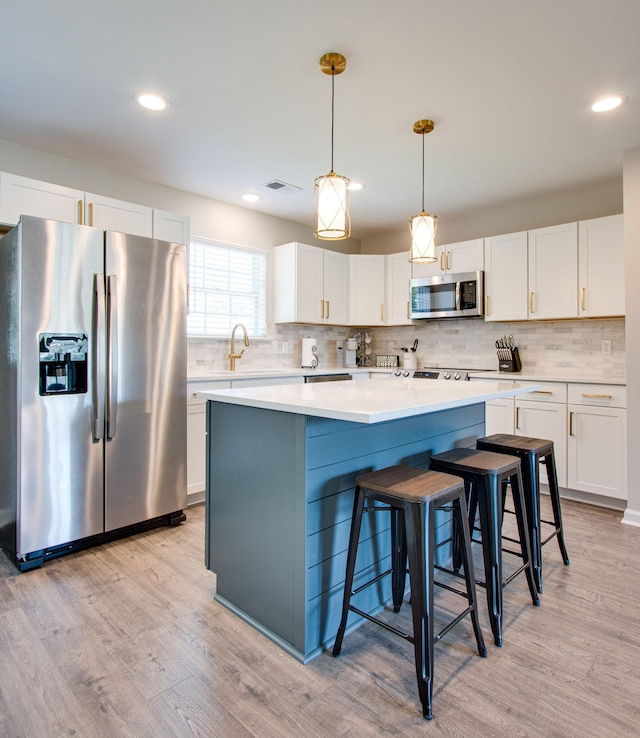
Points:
x=366, y=290
x=553, y=272
x=171, y=226
x=24, y=196
x=465, y=256
x=505, y=277
x=310, y=285
x=601, y=267
x=118, y=215
x=398, y=295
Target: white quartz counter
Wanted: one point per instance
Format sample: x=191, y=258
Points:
x=367, y=401
x=544, y=377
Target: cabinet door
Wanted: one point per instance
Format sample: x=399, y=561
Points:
x=553, y=272
x=601, y=267
x=545, y=420
x=196, y=447
x=498, y=416
x=23, y=196
x=505, y=277
x=118, y=215
x=309, y=284
x=336, y=287
x=466, y=256
x=398, y=276
x=597, y=450
x=170, y=226
x=366, y=290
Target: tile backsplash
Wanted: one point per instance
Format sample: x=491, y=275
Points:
x=569, y=348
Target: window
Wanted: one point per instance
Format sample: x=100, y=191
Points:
x=227, y=285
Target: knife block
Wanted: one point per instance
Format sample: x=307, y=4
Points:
x=511, y=361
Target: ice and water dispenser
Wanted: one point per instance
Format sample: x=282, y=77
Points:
x=63, y=363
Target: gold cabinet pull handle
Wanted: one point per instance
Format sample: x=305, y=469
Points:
x=328, y=309
x=582, y=298
x=80, y=212
x=486, y=304
x=599, y=397
x=571, y=423
x=517, y=417
x=530, y=302
x=408, y=311
x=322, y=309
x=542, y=392
x=91, y=214
x=448, y=265
x=382, y=312
x=441, y=262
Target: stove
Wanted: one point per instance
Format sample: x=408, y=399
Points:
x=454, y=375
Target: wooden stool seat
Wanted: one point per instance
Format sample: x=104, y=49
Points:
x=484, y=473
x=412, y=496
x=532, y=451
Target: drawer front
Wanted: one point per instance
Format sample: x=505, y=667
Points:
x=547, y=392
x=602, y=395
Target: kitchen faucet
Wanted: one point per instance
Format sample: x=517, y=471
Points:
x=232, y=354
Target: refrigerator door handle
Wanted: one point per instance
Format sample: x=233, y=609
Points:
x=112, y=356
x=97, y=358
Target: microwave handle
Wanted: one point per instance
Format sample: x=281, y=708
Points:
x=458, y=306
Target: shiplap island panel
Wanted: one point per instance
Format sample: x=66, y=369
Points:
x=282, y=464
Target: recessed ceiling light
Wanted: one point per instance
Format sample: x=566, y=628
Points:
x=251, y=197
x=608, y=103
x=152, y=102
x=355, y=186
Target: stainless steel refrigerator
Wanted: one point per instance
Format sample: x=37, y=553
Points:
x=92, y=387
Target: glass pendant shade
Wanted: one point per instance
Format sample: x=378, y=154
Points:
x=423, y=238
x=332, y=199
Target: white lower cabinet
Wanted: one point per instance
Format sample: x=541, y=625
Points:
x=543, y=414
x=587, y=424
x=597, y=441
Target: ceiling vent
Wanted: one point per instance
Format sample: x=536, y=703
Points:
x=283, y=188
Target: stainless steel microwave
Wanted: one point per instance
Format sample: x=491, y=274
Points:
x=448, y=296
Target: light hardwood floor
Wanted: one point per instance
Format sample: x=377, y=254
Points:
x=126, y=640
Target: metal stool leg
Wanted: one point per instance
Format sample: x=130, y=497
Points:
x=356, y=524
x=398, y=558
x=490, y=507
x=523, y=532
x=420, y=529
x=554, y=493
x=531, y=485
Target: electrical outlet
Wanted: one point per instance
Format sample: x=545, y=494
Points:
x=605, y=347
x=392, y=346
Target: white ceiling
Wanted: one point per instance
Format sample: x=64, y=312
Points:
x=509, y=84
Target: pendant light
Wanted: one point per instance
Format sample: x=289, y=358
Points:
x=332, y=218
x=423, y=226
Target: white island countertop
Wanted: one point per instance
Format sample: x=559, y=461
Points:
x=367, y=401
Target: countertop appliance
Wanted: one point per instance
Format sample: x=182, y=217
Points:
x=309, y=353
x=448, y=296
x=93, y=371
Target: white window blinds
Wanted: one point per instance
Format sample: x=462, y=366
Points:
x=227, y=285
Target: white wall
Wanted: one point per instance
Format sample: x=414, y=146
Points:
x=567, y=207
x=209, y=218
x=632, y=272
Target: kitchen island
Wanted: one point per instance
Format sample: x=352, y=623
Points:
x=281, y=468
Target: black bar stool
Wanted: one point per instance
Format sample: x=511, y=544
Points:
x=532, y=451
x=484, y=473
x=413, y=495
